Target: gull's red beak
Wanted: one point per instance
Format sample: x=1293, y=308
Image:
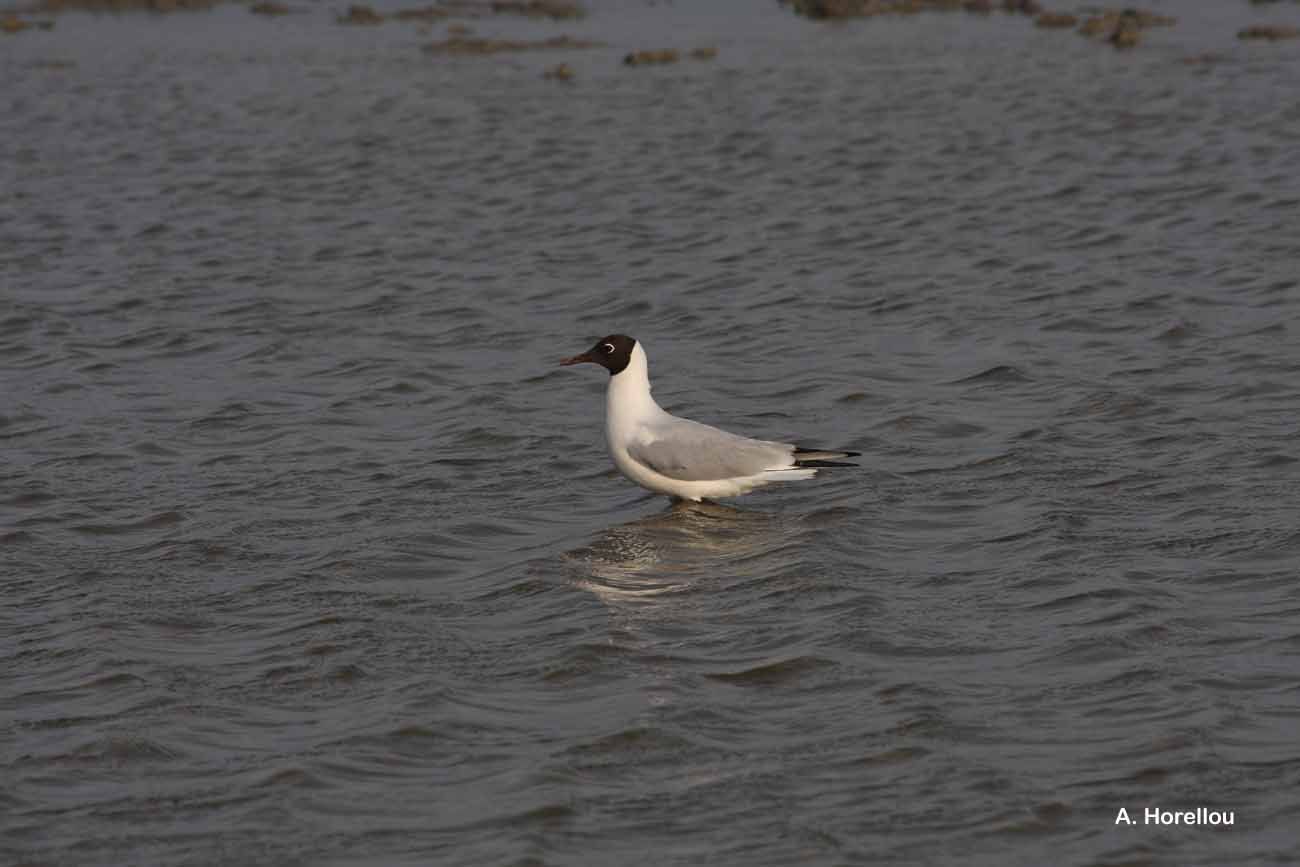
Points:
x=578, y=359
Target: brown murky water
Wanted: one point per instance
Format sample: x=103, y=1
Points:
x=309, y=553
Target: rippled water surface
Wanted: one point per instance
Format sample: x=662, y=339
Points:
x=310, y=553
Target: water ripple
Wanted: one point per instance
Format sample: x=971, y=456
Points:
x=312, y=554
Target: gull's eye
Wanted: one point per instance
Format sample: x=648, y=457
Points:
x=608, y=347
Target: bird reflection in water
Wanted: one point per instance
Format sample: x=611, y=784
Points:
x=672, y=550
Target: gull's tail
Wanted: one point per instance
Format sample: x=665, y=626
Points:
x=818, y=458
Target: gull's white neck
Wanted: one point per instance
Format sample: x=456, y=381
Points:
x=628, y=400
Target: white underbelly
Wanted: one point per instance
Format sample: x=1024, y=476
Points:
x=686, y=490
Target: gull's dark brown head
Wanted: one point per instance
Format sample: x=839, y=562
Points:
x=612, y=353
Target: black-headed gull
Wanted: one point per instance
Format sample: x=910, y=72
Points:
x=680, y=457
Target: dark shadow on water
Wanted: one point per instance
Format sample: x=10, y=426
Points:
x=683, y=547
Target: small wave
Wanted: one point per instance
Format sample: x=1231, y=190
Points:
x=291, y=778
x=17, y=537
x=160, y=521
x=780, y=673
x=998, y=374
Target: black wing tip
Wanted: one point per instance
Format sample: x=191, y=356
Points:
x=830, y=458
x=800, y=450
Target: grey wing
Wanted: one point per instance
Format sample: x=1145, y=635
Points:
x=693, y=452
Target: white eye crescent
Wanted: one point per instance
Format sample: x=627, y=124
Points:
x=608, y=347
